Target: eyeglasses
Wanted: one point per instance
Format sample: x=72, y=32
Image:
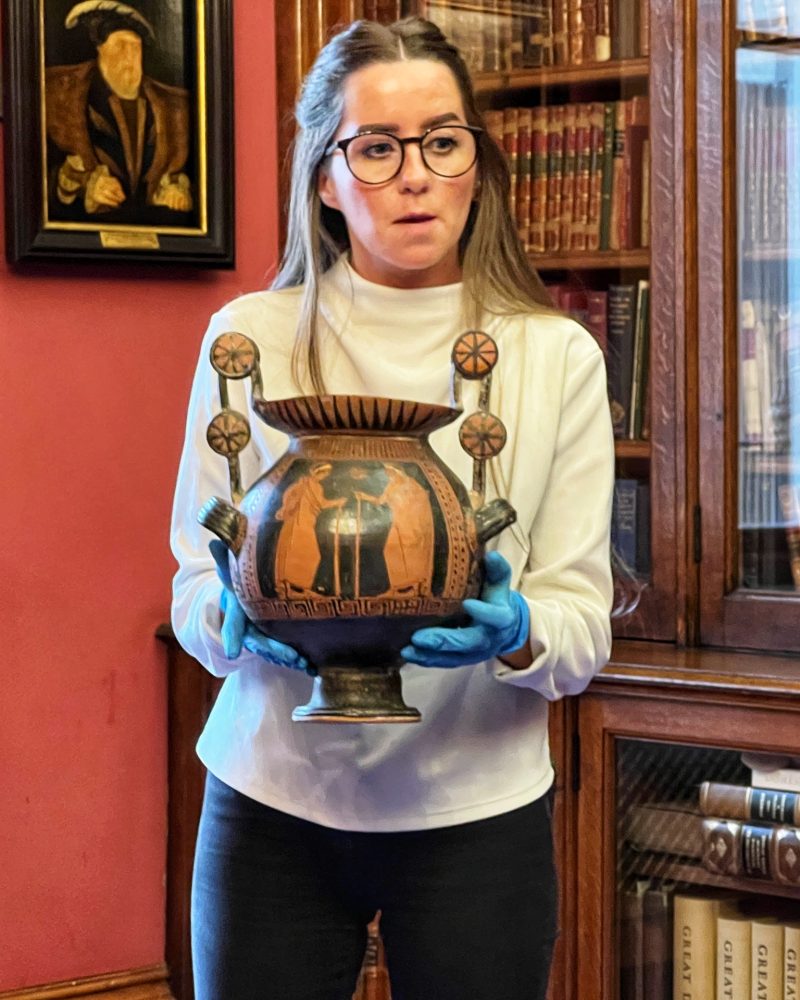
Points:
x=377, y=157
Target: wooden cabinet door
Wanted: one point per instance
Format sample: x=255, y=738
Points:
x=708, y=723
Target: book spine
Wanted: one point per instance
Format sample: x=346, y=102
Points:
x=733, y=847
x=625, y=29
x=524, y=179
x=644, y=28
x=602, y=40
x=534, y=25
x=618, y=178
x=583, y=149
x=644, y=234
x=589, y=30
x=539, y=188
x=621, y=321
x=555, y=156
x=733, y=957
x=595, y=176
x=511, y=147
x=766, y=959
x=624, y=520
x=561, y=32
x=657, y=934
x=745, y=802
x=492, y=37
x=568, y=220
x=694, y=958
x=791, y=961
x=607, y=169
x=631, y=930
x=641, y=351
x=636, y=128
x=517, y=34
x=782, y=778
x=575, y=32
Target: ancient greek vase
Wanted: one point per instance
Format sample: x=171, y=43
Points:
x=358, y=535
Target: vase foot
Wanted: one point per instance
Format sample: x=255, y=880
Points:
x=357, y=694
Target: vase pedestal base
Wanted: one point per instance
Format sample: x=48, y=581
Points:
x=356, y=694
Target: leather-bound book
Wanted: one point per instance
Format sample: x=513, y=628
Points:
x=734, y=847
x=538, y=214
x=744, y=802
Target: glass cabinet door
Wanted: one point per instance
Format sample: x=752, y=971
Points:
x=749, y=323
x=768, y=254
x=688, y=839
x=708, y=891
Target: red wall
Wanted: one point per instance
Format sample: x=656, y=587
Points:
x=96, y=366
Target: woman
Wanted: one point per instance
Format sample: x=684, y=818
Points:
x=399, y=239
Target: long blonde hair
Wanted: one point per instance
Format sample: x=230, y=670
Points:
x=497, y=275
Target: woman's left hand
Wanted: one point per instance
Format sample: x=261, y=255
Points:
x=500, y=624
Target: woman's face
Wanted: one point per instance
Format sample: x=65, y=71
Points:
x=405, y=231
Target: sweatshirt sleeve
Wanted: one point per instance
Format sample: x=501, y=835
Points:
x=202, y=474
x=567, y=581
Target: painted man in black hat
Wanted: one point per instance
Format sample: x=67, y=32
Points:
x=124, y=137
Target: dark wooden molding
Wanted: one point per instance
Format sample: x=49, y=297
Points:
x=149, y=983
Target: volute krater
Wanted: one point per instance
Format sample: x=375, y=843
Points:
x=358, y=535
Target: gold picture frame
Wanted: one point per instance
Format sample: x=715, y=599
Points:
x=126, y=151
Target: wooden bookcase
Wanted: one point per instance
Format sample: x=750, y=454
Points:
x=710, y=657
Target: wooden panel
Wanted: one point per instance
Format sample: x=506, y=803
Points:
x=728, y=616
x=561, y=726
x=136, y=984
x=191, y=694
x=661, y=611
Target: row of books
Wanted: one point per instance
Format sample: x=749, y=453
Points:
x=769, y=523
x=630, y=524
x=580, y=173
x=740, y=831
x=768, y=142
x=769, y=365
x=619, y=318
x=504, y=35
x=677, y=945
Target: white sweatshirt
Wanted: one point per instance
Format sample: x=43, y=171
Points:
x=481, y=748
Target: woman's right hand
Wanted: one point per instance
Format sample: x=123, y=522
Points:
x=237, y=629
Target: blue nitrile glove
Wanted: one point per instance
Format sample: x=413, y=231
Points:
x=501, y=624
x=238, y=630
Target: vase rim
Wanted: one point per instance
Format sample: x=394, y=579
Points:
x=299, y=415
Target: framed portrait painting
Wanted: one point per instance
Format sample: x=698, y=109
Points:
x=119, y=131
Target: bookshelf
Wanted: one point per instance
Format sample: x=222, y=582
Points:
x=648, y=739
x=595, y=260
x=560, y=76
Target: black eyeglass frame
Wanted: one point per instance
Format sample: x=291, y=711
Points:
x=419, y=139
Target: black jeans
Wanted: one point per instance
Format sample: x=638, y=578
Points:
x=280, y=905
